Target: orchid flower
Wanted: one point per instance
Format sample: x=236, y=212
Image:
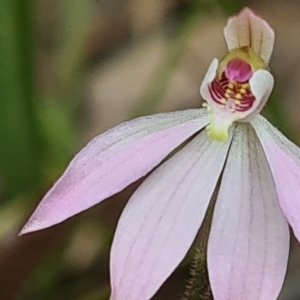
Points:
x=228, y=142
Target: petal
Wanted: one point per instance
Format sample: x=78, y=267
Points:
x=284, y=160
x=261, y=85
x=162, y=219
x=249, y=241
x=208, y=79
x=113, y=160
x=248, y=29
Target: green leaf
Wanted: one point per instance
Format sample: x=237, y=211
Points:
x=20, y=149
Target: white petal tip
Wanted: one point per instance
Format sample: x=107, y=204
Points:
x=28, y=229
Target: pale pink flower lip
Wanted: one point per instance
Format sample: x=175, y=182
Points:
x=259, y=171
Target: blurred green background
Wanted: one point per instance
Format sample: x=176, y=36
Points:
x=70, y=69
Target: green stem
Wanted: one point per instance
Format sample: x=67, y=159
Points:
x=198, y=287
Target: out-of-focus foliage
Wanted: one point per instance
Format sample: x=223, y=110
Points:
x=20, y=159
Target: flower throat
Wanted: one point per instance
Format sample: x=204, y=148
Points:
x=231, y=88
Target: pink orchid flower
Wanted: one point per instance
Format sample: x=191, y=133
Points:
x=258, y=168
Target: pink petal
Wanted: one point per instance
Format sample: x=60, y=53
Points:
x=249, y=241
x=113, y=160
x=248, y=29
x=162, y=218
x=284, y=160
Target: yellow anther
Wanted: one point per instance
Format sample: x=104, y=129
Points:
x=204, y=104
x=238, y=102
x=223, y=100
x=238, y=96
x=245, y=85
x=227, y=96
x=242, y=91
x=228, y=91
x=230, y=86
